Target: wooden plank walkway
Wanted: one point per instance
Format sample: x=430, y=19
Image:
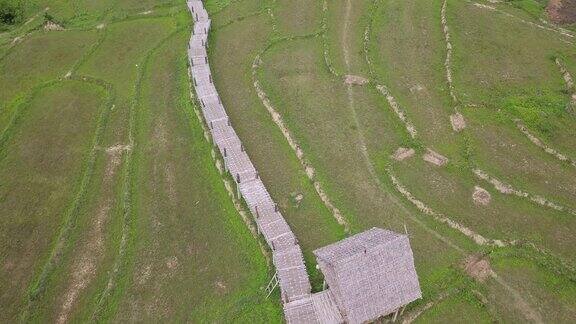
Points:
x=287, y=255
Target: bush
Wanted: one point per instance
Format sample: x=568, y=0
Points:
x=11, y=12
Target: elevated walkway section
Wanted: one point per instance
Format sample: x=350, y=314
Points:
x=287, y=255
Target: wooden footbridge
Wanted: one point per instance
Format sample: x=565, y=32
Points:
x=287, y=255
x=362, y=271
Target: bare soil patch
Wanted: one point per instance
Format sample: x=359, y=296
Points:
x=403, y=153
x=172, y=263
x=435, y=158
x=52, y=26
x=458, y=122
x=115, y=157
x=355, y=79
x=221, y=287
x=562, y=11
x=170, y=183
x=477, y=267
x=481, y=196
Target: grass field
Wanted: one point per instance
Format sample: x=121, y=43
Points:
x=112, y=208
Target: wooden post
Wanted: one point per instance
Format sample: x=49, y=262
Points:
x=276, y=207
x=211, y=125
x=257, y=213
x=206, y=59
x=225, y=153
x=395, y=315
x=238, y=185
x=324, y=284
x=210, y=77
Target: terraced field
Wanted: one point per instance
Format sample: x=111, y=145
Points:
x=450, y=120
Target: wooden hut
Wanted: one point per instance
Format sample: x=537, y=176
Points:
x=370, y=274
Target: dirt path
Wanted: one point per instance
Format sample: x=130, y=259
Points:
x=350, y=93
x=520, y=303
x=413, y=315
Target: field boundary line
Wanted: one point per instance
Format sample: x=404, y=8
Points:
x=381, y=185
x=570, y=86
x=278, y=120
x=538, y=142
x=507, y=189
x=477, y=238
x=448, y=61
x=380, y=87
x=306, y=165
x=20, y=107
x=241, y=18
x=325, y=45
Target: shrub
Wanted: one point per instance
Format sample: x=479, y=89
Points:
x=11, y=12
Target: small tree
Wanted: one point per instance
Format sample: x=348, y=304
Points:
x=11, y=12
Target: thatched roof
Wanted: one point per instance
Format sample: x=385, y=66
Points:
x=317, y=308
x=370, y=274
